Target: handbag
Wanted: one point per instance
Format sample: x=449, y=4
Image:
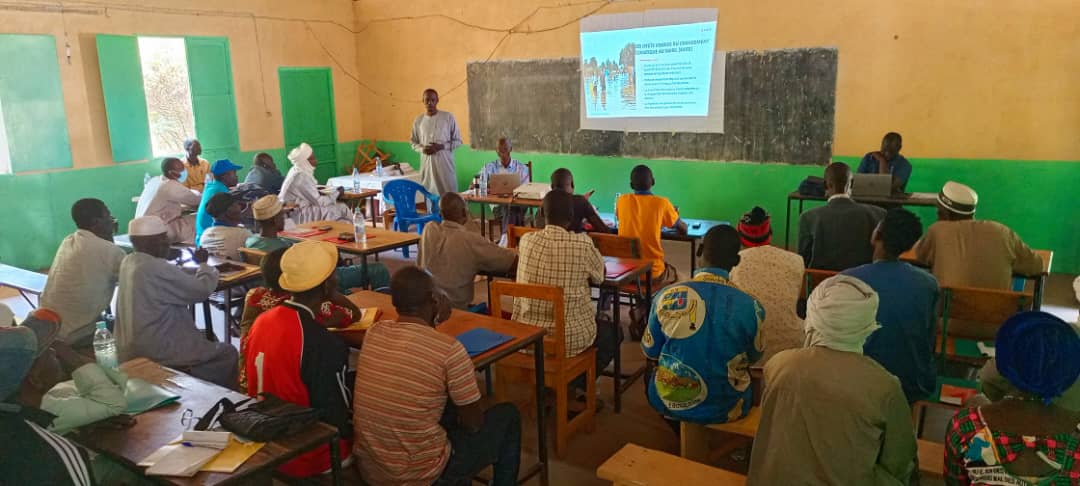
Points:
x=812, y=186
x=268, y=419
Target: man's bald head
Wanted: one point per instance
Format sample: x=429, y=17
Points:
x=452, y=208
x=559, y=208
x=562, y=180
x=412, y=291
x=720, y=248
x=837, y=178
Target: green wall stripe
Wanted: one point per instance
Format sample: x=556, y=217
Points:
x=125, y=99
x=33, y=103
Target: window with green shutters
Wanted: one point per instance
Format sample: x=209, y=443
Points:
x=32, y=115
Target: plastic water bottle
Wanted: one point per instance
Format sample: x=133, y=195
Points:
x=355, y=179
x=378, y=166
x=483, y=184
x=615, y=209
x=359, y=225
x=105, y=347
x=146, y=178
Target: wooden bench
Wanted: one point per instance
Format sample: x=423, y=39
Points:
x=25, y=281
x=638, y=466
x=931, y=459
x=695, y=437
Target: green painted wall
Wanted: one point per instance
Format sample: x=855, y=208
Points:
x=1034, y=198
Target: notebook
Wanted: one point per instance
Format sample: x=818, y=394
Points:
x=367, y=318
x=479, y=340
x=615, y=269
x=224, y=460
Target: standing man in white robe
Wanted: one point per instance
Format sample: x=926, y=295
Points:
x=301, y=189
x=435, y=135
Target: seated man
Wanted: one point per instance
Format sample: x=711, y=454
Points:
x=507, y=165
x=702, y=338
x=888, y=161
x=584, y=212
x=774, y=276
x=270, y=219
x=289, y=354
x=964, y=252
x=418, y=415
x=556, y=257
x=167, y=198
x=829, y=397
x=84, y=272
x=907, y=311
x=225, y=238
x=264, y=173
x=153, y=318
x=197, y=167
x=224, y=179
x=454, y=254
x=643, y=215
x=836, y=236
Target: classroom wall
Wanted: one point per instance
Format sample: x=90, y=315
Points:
x=984, y=92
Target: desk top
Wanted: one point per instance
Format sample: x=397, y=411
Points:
x=160, y=426
x=639, y=267
x=363, y=194
x=378, y=239
x=911, y=199
x=1047, y=257
x=461, y=321
x=695, y=228
x=21, y=279
x=504, y=199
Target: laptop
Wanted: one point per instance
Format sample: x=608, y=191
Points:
x=503, y=184
x=872, y=185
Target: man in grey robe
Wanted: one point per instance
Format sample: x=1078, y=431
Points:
x=265, y=174
x=153, y=319
x=435, y=135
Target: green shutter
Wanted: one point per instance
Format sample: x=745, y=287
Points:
x=33, y=103
x=212, y=97
x=125, y=100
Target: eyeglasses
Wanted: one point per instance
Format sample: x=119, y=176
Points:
x=187, y=419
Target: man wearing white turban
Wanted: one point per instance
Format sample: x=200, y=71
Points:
x=829, y=413
x=300, y=188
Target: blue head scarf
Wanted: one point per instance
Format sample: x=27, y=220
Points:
x=1039, y=354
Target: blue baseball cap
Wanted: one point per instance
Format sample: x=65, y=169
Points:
x=222, y=166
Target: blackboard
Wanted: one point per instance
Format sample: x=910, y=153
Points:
x=779, y=106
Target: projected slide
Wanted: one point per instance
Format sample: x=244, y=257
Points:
x=662, y=71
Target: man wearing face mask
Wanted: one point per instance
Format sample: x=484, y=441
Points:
x=166, y=197
x=289, y=354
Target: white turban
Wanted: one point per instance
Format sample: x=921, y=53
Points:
x=147, y=226
x=841, y=314
x=299, y=158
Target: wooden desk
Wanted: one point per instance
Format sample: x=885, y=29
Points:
x=621, y=382
x=160, y=426
x=634, y=465
x=25, y=281
x=523, y=336
x=352, y=199
x=506, y=200
x=226, y=282
x=378, y=239
x=910, y=199
x=695, y=232
x=1039, y=279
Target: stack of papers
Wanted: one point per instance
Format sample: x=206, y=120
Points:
x=200, y=451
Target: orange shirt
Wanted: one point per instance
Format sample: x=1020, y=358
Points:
x=196, y=176
x=642, y=216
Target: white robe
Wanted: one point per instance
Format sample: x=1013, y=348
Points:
x=166, y=198
x=437, y=171
x=300, y=188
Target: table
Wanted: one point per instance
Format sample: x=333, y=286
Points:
x=25, y=281
x=523, y=337
x=506, y=200
x=352, y=199
x=369, y=180
x=695, y=232
x=910, y=199
x=378, y=239
x=160, y=426
x=226, y=282
x=1039, y=279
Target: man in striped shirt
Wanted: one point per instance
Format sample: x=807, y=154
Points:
x=417, y=407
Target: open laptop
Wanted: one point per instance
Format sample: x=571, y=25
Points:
x=503, y=184
x=872, y=185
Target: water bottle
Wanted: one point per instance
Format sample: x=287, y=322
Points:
x=355, y=180
x=483, y=183
x=615, y=209
x=378, y=166
x=146, y=178
x=105, y=347
x=359, y=225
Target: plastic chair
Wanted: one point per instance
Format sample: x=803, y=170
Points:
x=402, y=194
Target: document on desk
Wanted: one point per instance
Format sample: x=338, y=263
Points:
x=225, y=458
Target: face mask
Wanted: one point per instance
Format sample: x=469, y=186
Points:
x=183, y=176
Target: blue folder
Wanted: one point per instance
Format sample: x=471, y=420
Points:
x=479, y=340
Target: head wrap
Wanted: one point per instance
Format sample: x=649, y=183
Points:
x=1038, y=353
x=307, y=264
x=266, y=207
x=18, y=347
x=754, y=228
x=299, y=158
x=147, y=226
x=841, y=314
x=958, y=198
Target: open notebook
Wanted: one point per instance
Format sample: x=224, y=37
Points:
x=367, y=318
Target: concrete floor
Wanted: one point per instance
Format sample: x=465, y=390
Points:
x=638, y=422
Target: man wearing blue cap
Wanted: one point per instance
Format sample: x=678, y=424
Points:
x=224, y=179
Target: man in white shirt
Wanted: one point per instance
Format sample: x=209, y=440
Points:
x=435, y=135
x=166, y=197
x=225, y=238
x=84, y=272
x=507, y=165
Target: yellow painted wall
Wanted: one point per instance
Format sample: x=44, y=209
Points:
x=996, y=79
x=283, y=40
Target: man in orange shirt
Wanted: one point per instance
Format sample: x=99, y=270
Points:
x=197, y=167
x=643, y=215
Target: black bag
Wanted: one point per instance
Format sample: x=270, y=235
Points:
x=268, y=419
x=812, y=186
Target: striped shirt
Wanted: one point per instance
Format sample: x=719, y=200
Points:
x=405, y=375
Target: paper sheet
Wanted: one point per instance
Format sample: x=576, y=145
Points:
x=225, y=461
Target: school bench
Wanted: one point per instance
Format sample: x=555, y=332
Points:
x=639, y=466
x=931, y=459
x=26, y=282
x=694, y=440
